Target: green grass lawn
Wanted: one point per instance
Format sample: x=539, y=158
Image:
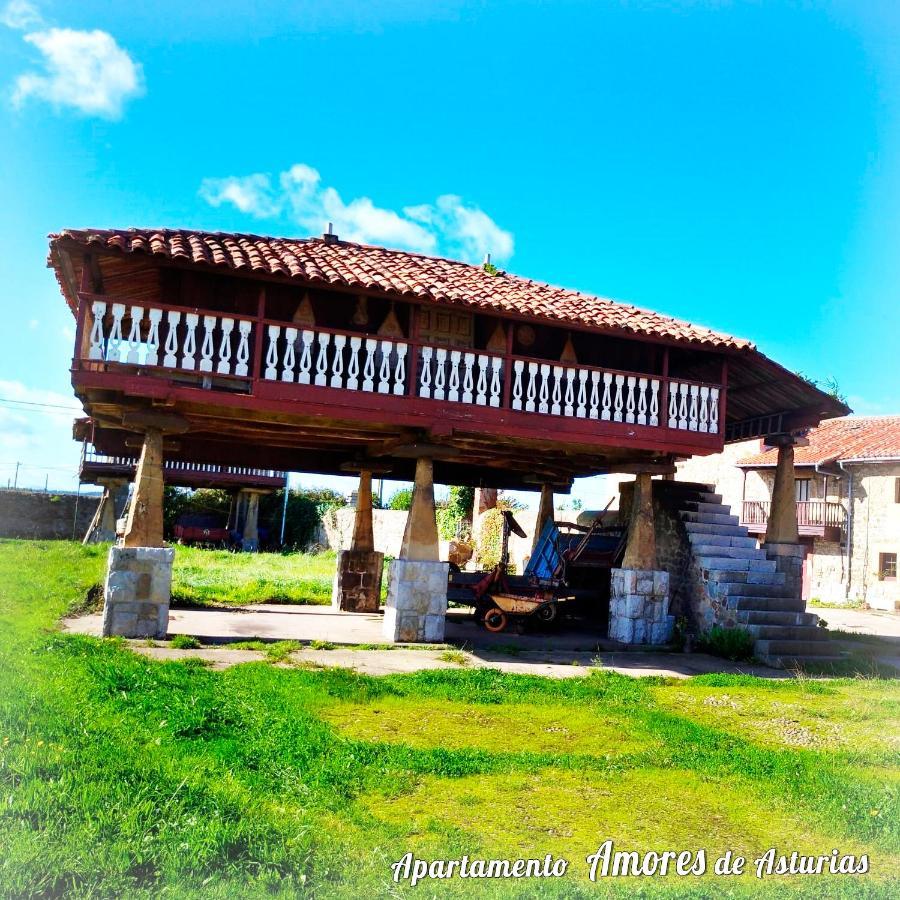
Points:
x=220, y=577
x=120, y=776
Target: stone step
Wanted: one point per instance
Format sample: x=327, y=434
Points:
x=782, y=661
x=687, y=486
x=707, y=550
x=795, y=649
x=768, y=604
x=717, y=528
x=735, y=564
x=702, y=539
x=710, y=518
x=787, y=632
x=701, y=506
x=746, y=578
x=773, y=617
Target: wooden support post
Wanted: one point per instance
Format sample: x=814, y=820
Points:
x=782, y=526
x=545, y=513
x=144, y=527
x=640, y=548
x=363, y=533
x=420, y=539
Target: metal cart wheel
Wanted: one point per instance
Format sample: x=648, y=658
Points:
x=495, y=619
x=548, y=613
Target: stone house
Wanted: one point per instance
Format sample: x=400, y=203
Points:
x=847, y=482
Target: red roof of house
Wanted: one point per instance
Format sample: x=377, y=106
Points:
x=396, y=271
x=848, y=438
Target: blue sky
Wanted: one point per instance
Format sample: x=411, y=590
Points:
x=735, y=164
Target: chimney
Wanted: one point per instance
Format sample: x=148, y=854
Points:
x=330, y=237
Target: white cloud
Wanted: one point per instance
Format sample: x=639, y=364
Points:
x=448, y=225
x=85, y=70
x=20, y=14
x=251, y=194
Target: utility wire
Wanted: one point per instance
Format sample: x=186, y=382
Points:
x=43, y=405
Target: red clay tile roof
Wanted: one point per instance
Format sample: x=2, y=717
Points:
x=850, y=437
x=396, y=271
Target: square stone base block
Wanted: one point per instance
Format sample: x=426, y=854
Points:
x=137, y=591
x=357, y=581
x=416, y=605
x=639, y=607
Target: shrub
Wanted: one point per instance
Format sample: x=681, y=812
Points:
x=401, y=499
x=184, y=642
x=729, y=643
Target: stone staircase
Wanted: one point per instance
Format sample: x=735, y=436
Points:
x=736, y=571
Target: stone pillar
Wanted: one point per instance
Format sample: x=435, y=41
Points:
x=417, y=592
x=139, y=575
x=144, y=526
x=357, y=580
x=640, y=547
x=250, y=534
x=544, y=514
x=639, y=592
x=103, y=526
x=782, y=526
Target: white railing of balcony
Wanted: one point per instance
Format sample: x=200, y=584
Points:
x=170, y=338
x=177, y=465
x=460, y=376
x=693, y=407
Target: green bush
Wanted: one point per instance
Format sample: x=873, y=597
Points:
x=729, y=643
x=401, y=499
x=184, y=642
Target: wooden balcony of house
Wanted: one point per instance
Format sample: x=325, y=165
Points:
x=815, y=518
x=95, y=467
x=267, y=366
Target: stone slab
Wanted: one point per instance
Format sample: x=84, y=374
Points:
x=137, y=592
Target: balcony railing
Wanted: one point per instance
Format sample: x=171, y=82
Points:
x=220, y=347
x=93, y=460
x=810, y=513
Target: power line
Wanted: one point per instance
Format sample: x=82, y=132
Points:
x=43, y=405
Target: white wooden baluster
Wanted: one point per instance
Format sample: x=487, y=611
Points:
x=694, y=414
x=324, y=339
x=224, y=367
x=171, y=357
x=134, y=335
x=384, y=373
x=654, y=401
x=673, y=404
x=544, y=396
x=468, y=362
x=595, y=395
x=495, y=381
x=569, y=405
x=425, y=373
x=207, y=348
x=482, y=384
x=453, y=386
x=556, y=408
x=606, y=414
x=337, y=368
x=353, y=364
x=642, y=401
x=440, y=376
x=243, y=350
x=304, y=372
x=713, y=410
x=682, y=405
x=581, y=411
x=400, y=371
x=517, y=391
x=704, y=409
x=369, y=367
x=290, y=354
x=272, y=353
x=98, y=311
x=619, y=402
x=629, y=399
x=189, y=347
x=155, y=317
x=532, y=387
x=114, y=345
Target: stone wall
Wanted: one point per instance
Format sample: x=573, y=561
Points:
x=876, y=530
x=826, y=567
x=42, y=515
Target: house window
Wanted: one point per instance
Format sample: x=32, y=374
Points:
x=887, y=566
x=802, y=486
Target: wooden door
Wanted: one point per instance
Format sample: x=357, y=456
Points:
x=446, y=326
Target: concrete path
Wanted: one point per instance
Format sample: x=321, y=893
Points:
x=861, y=621
x=560, y=654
